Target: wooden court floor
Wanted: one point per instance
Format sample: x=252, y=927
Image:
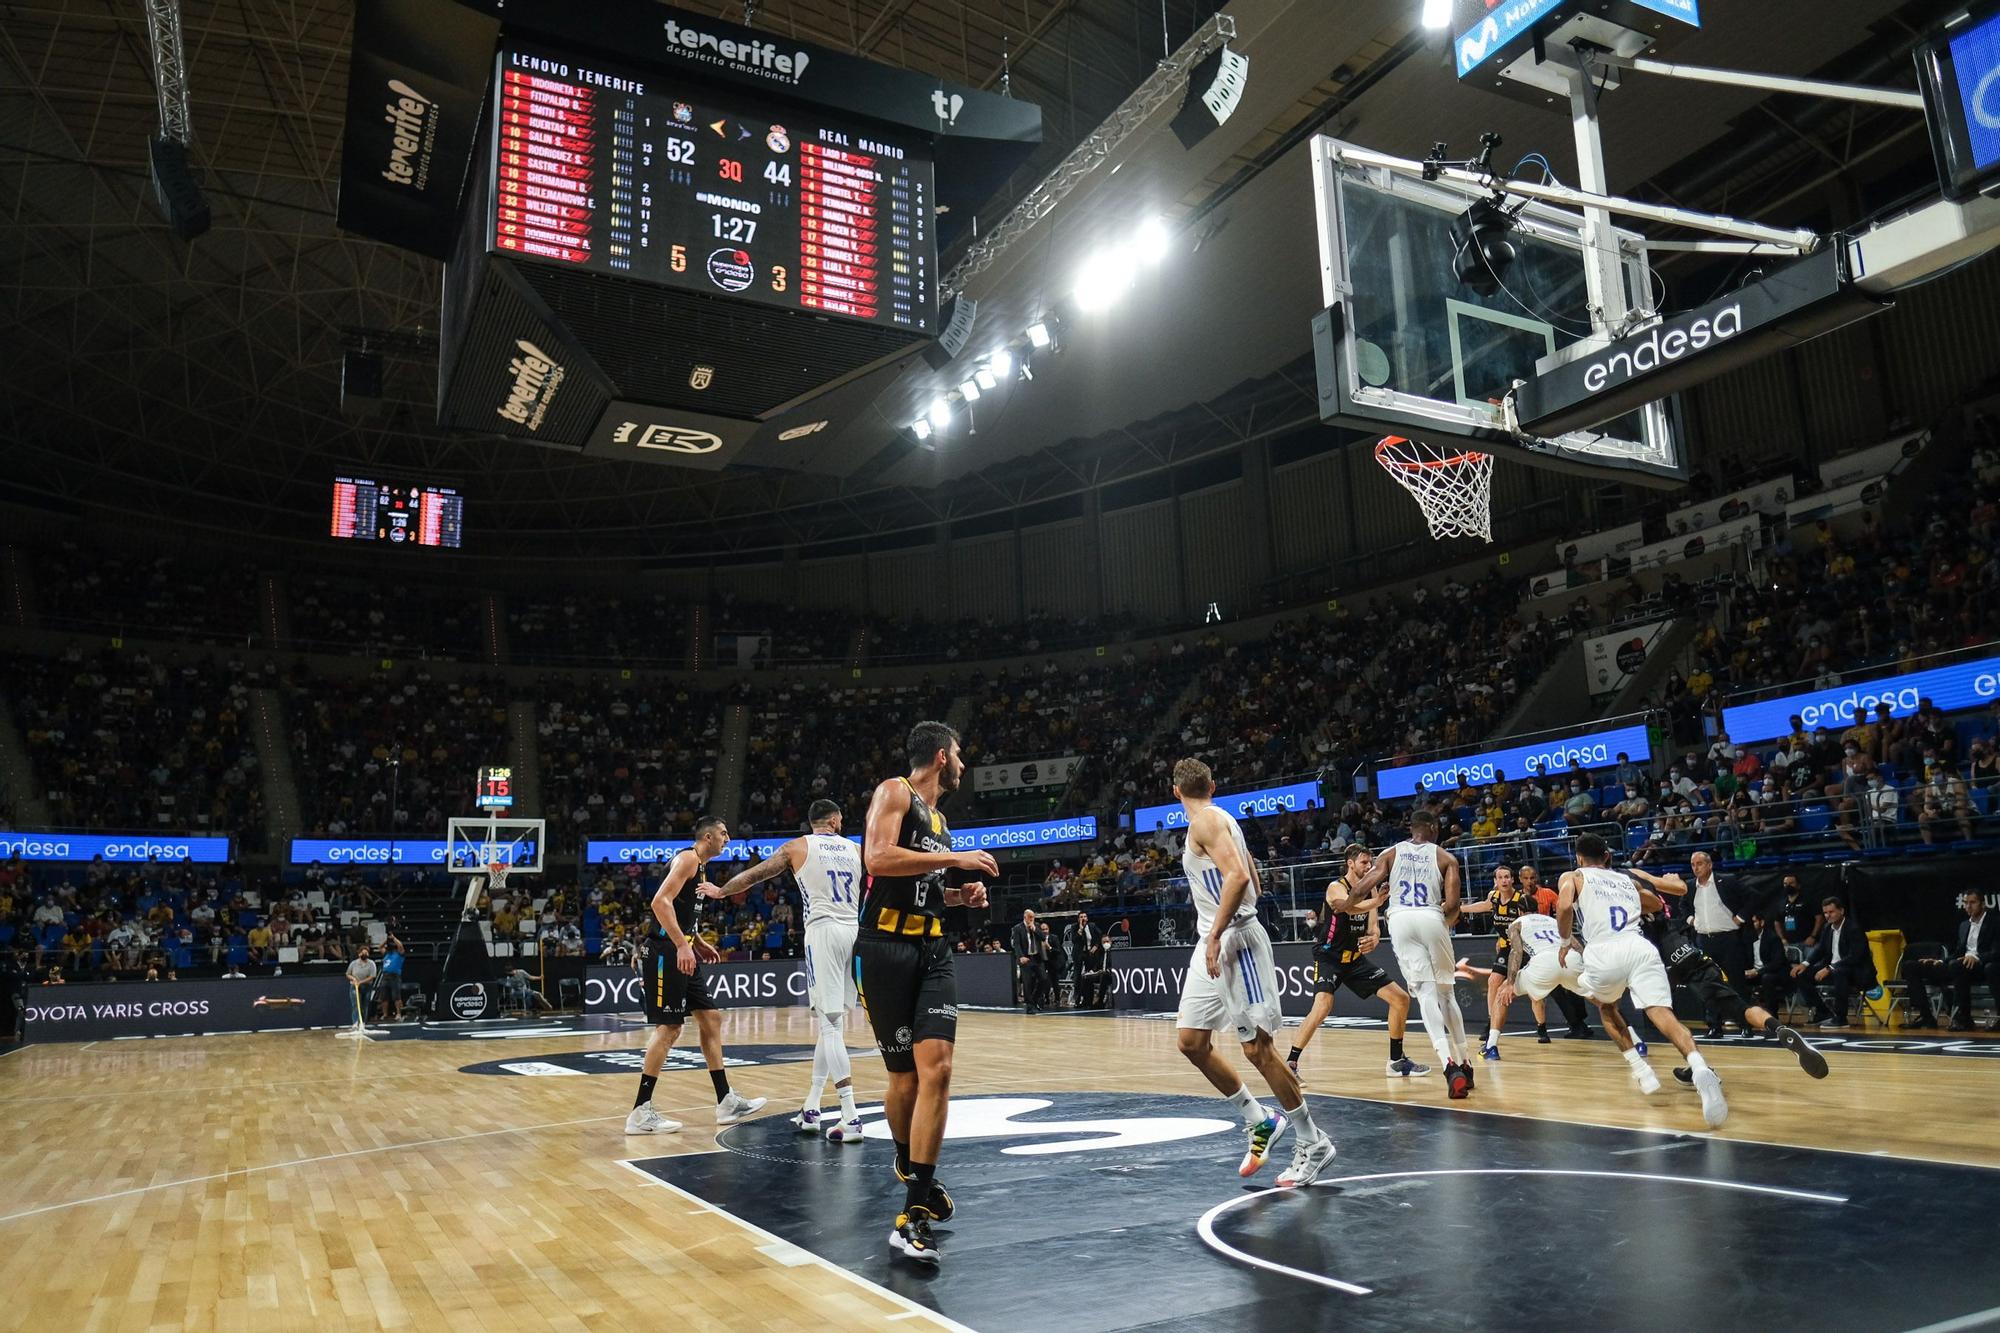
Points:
x=299, y=1181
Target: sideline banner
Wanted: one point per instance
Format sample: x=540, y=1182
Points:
x=1610, y=660
x=1599, y=749
x=983, y=979
x=103, y=1011
x=1026, y=775
x=1953, y=689
x=1241, y=804
x=1149, y=981
x=116, y=849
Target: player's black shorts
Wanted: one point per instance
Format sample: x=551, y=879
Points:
x=670, y=994
x=1705, y=977
x=1361, y=977
x=910, y=989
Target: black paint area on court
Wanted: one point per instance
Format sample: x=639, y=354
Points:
x=1084, y=1211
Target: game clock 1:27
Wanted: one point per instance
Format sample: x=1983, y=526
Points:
x=600, y=170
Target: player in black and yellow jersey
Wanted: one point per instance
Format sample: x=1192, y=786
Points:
x=1508, y=903
x=1345, y=931
x=907, y=981
x=673, y=979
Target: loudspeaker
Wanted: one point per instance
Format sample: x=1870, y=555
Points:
x=176, y=191
x=956, y=333
x=1215, y=88
x=361, y=384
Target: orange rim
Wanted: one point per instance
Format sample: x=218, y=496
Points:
x=1389, y=442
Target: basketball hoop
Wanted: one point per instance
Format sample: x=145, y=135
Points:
x=496, y=878
x=1454, y=488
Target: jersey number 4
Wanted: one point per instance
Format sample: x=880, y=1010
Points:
x=1413, y=894
x=840, y=886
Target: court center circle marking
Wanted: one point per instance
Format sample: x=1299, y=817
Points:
x=1206, y=1226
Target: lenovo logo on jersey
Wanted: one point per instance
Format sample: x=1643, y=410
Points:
x=1665, y=345
x=536, y=376
x=669, y=439
x=413, y=122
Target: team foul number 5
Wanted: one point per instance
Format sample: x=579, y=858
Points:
x=840, y=886
x=1413, y=894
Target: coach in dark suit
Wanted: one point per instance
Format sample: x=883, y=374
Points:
x=1030, y=958
x=1974, y=958
x=1087, y=948
x=1769, y=972
x=1840, y=960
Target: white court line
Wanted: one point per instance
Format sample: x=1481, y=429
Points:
x=304, y=1161
x=1206, y=1226
x=912, y=1310
x=1980, y=1320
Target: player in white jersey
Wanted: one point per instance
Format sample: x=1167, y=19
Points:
x=1617, y=957
x=828, y=870
x=1535, y=966
x=1422, y=880
x=1232, y=983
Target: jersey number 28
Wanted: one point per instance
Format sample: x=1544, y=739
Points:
x=1414, y=894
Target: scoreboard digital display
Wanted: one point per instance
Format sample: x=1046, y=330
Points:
x=643, y=176
x=401, y=515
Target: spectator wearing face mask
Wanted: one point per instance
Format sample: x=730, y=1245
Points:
x=1882, y=806
x=1680, y=782
x=1941, y=801
x=1581, y=806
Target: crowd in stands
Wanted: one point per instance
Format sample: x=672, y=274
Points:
x=623, y=760
x=390, y=751
x=387, y=618
x=809, y=742
x=592, y=628
x=133, y=742
x=911, y=638
x=161, y=596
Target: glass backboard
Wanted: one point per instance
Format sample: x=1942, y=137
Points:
x=1406, y=348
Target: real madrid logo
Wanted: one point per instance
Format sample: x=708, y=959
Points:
x=701, y=377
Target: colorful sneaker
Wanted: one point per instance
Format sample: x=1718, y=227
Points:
x=913, y=1240
x=1262, y=1135
x=1406, y=1068
x=1640, y=1047
x=1490, y=1053
x=1309, y=1158
x=842, y=1131
x=1458, y=1081
x=808, y=1121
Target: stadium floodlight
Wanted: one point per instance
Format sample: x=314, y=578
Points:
x=940, y=413
x=1038, y=335
x=921, y=428
x=1001, y=364
x=1153, y=241
x=1437, y=13
x=1104, y=277
x=970, y=391
x=985, y=379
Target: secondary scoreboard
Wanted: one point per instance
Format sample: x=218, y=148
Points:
x=645, y=176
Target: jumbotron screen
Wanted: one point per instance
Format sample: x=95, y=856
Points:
x=402, y=515
x=650, y=177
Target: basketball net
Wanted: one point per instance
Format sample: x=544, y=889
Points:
x=1454, y=487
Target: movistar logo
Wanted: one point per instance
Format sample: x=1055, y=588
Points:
x=1497, y=29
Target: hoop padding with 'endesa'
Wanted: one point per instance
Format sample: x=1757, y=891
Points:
x=1454, y=487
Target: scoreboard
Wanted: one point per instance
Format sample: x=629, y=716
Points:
x=648, y=177
x=368, y=510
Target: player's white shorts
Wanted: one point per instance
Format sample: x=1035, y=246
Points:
x=830, y=964
x=1543, y=974
x=1244, y=999
x=1423, y=948
x=1626, y=963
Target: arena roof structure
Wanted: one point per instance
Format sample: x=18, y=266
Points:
x=200, y=383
